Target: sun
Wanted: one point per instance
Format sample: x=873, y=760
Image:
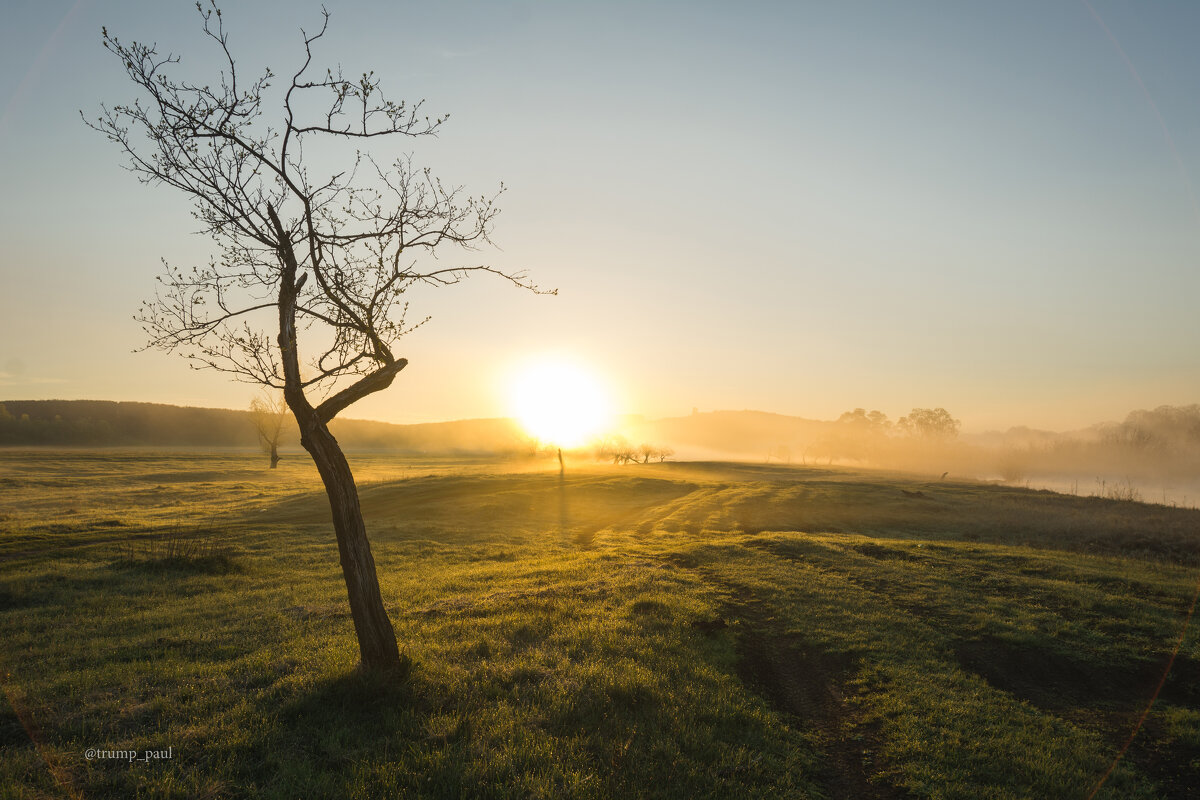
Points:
x=559, y=402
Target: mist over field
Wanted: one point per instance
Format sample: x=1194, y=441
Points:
x=1150, y=455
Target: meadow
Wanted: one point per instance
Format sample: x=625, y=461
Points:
x=674, y=630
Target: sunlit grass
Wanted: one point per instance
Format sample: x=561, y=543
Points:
x=654, y=630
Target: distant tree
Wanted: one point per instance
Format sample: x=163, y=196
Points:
x=307, y=295
x=930, y=423
x=856, y=435
x=862, y=421
x=1130, y=436
x=655, y=451
x=268, y=414
x=1164, y=428
x=617, y=450
x=9, y=430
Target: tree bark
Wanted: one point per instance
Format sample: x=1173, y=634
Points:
x=274, y=455
x=376, y=637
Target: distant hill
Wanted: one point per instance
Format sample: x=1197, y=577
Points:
x=85, y=423
x=1160, y=443
x=133, y=424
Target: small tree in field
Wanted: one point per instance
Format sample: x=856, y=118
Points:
x=306, y=293
x=268, y=414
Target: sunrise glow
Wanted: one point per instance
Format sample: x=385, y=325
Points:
x=559, y=402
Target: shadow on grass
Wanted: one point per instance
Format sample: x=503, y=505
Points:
x=522, y=728
x=1078, y=686
x=1054, y=677
x=362, y=700
x=359, y=734
x=12, y=732
x=216, y=564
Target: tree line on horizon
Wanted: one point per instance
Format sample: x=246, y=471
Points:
x=1161, y=441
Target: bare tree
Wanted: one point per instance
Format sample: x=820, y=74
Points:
x=268, y=414
x=307, y=293
x=617, y=450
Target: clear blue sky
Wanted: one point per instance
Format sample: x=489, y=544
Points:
x=794, y=207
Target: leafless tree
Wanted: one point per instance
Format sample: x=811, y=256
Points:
x=307, y=293
x=268, y=413
x=617, y=450
x=648, y=451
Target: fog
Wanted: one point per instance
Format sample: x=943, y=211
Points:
x=1150, y=456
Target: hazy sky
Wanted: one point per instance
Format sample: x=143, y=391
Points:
x=794, y=207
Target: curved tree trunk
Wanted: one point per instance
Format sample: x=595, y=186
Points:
x=376, y=637
x=274, y=455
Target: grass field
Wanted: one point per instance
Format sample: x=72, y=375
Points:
x=676, y=630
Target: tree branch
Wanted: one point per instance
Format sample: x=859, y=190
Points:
x=366, y=236
x=369, y=384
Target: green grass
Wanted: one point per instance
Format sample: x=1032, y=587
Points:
x=675, y=630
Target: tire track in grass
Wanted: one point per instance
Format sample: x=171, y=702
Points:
x=804, y=684
x=807, y=685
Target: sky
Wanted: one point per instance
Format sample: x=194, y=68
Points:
x=794, y=207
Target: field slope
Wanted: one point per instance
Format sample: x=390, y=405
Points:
x=676, y=630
